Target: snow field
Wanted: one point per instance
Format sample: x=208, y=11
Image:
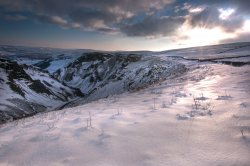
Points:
x=143, y=128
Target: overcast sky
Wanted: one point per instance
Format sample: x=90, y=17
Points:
x=123, y=24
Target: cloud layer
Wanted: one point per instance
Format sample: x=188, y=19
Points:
x=144, y=18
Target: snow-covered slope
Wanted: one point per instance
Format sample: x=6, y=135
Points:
x=48, y=59
x=200, y=117
x=157, y=126
x=61, y=73
x=235, y=54
x=26, y=90
x=59, y=60
x=211, y=52
x=89, y=77
x=99, y=75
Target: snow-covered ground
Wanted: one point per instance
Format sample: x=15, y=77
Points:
x=90, y=77
x=211, y=52
x=199, y=118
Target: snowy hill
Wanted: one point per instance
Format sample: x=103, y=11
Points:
x=48, y=59
x=26, y=90
x=179, y=107
x=211, y=52
x=159, y=125
x=99, y=75
x=236, y=54
x=37, y=79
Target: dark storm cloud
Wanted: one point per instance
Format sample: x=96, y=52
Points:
x=68, y=5
x=112, y=16
x=153, y=26
x=241, y=5
x=89, y=18
x=210, y=17
x=100, y=15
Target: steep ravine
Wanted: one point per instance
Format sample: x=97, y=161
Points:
x=27, y=90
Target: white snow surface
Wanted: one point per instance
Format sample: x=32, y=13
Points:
x=210, y=52
x=5, y=91
x=15, y=103
x=184, y=121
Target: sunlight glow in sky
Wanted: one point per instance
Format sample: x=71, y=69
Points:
x=203, y=36
x=123, y=24
x=246, y=27
x=226, y=13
